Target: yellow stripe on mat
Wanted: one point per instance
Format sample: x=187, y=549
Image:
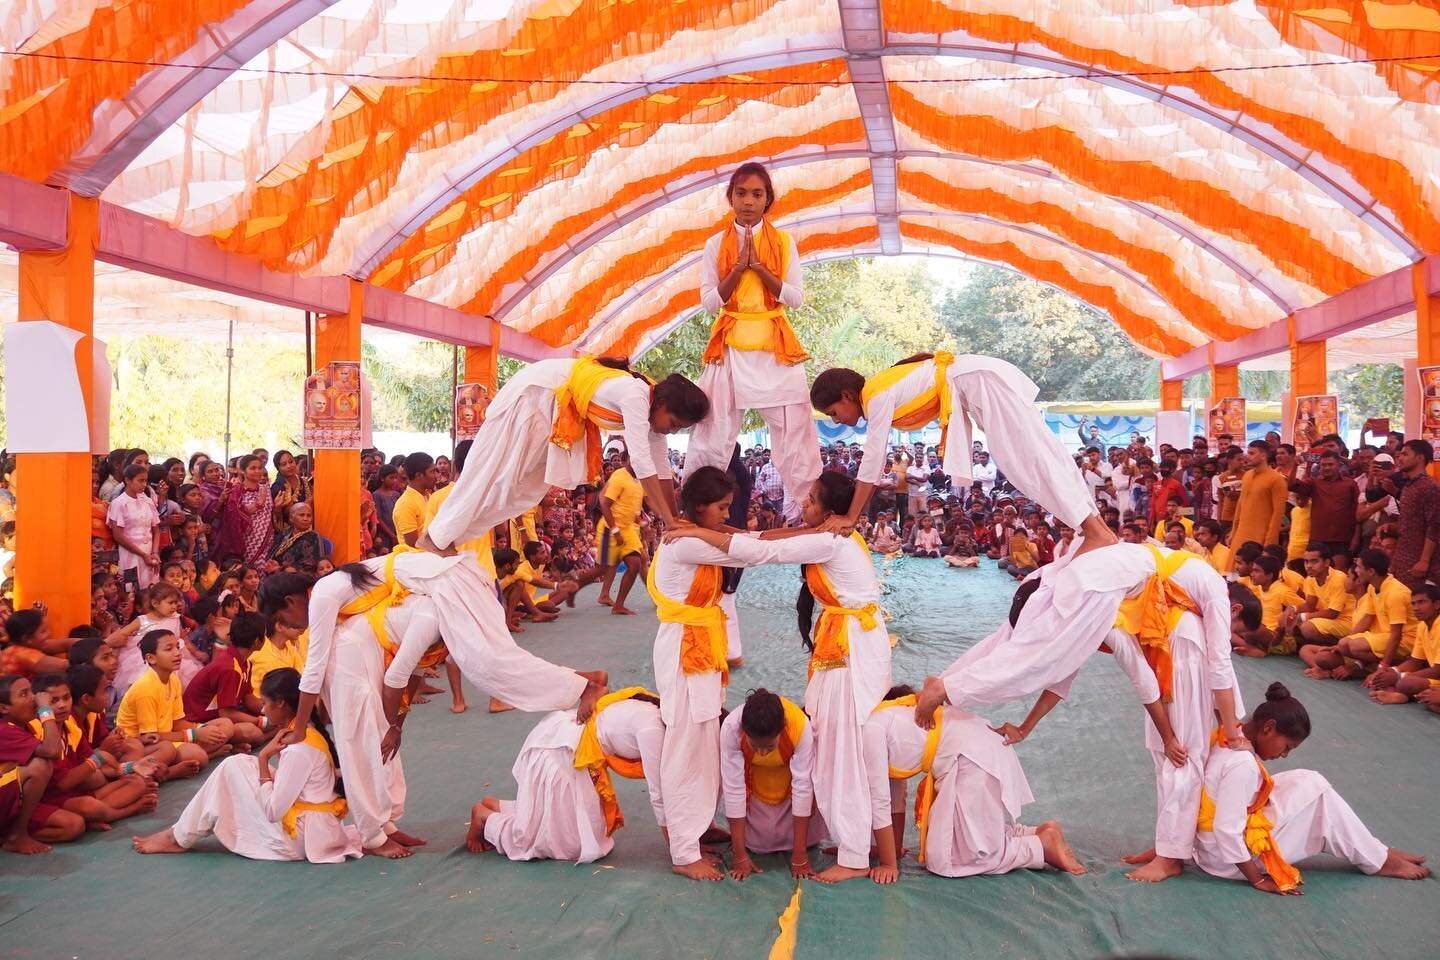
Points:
x=784, y=946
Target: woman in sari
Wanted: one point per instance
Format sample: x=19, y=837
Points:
x=301, y=547
x=244, y=515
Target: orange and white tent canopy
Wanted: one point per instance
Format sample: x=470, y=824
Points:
x=1198, y=170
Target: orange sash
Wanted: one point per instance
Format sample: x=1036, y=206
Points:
x=577, y=415
x=1151, y=616
x=832, y=650
x=753, y=318
x=591, y=756
x=703, y=644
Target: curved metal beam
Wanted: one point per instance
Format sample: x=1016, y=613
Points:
x=373, y=250
x=702, y=181
x=124, y=128
x=636, y=293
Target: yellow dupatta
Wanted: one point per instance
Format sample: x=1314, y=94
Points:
x=577, y=414
x=702, y=646
x=767, y=776
x=753, y=318
x=376, y=602
x=1153, y=613
x=925, y=796
x=591, y=757
x=1259, y=831
x=933, y=404
x=832, y=649
x=336, y=807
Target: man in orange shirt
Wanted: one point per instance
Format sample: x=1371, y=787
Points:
x=1262, y=499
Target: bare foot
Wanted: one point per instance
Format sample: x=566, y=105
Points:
x=405, y=840
x=429, y=689
x=25, y=844
x=604, y=601
x=475, y=836
x=839, y=874
x=419, y=700
x=545, y=617
x=185, y=768
x=1318, y=673
x=714, y=837
x=97, y=826
x=1137, y=858
x=1156, y=871
x=1345, y=671
x=1388, y=696
x=431, y=673
x=148, y=802
x=162, y=842
x=499, y=706
x=391, y=850
x=459, y=706
x=516, y=628
x=699, y=870
x=930, y=699
x=620, y=611
x=1402, y=866
x=596, y=686
x=1057, y=850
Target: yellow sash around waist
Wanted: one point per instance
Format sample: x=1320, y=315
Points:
x=933, y=404
x=577, y=415
x=336, y=807
x=702, y=646
x=1259, y=831
x=591, y=757
x=376, y=602
x=767, y=776
x=832, y=649
x=925, y=796
x=1154, y=613
x=753, y=318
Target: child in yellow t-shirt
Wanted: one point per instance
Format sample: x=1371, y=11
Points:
x=1384, y=629
x=1277, y=603
x=1418, y=677
x=152, y=709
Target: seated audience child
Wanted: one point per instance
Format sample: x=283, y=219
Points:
x=223, y=689
x=1418, y=676
x=78, y=778
x=1277, y=602
x=1252, y=826
x=927, y=539
x=1384, y=630
x=1329, y=610
x=27, y=824
x=282, y=647
x=90, y=691
x=153, y=709
x=23, y=650
x=290, y=812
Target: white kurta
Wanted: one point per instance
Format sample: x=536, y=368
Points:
x=514, y=464
x=1001, y=401
x=755, y=380
x=840, y=701
x=769, y=827
x=981, y=791
x=470, y=620
x=1307, y=815
x=734, y=645
x=245, y=815
x=556, y=814
x=690, y=703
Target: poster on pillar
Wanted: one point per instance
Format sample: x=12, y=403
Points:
x=1429, y=378
x=333, y=407
x=471, y=401
x=1315, y=417
x=1226, y=417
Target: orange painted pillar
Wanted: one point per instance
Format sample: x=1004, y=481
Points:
x=481, y=363
x=337, y=472
x=1427, y=337
x=1172, y=394
x=52, y=517
x=1307, y=366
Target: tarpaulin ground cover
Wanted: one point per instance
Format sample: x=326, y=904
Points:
x=1086, y=765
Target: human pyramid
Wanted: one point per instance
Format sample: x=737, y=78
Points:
x=789, y=775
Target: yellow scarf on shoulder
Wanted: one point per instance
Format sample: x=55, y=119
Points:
x=577, y=415
x=925, y=796
x=376, y=602
x=702, y=646
x=832, y=649
x=1259, y=831
x=767, y=776
x=934, y=404
x=591, y=757
x=1153, y=613
x=336, y=807
x=753, y=318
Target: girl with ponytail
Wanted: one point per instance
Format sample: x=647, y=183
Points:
x=1254, y=826
x=283, y=804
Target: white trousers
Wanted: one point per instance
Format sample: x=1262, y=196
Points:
x=1177, y=789
x=1309, y=817
x=689, y=775
x=556, y=814
x=838, y=774
x=970, y=832
x=794, y=444
x=374, y=790
x=1023, y=447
